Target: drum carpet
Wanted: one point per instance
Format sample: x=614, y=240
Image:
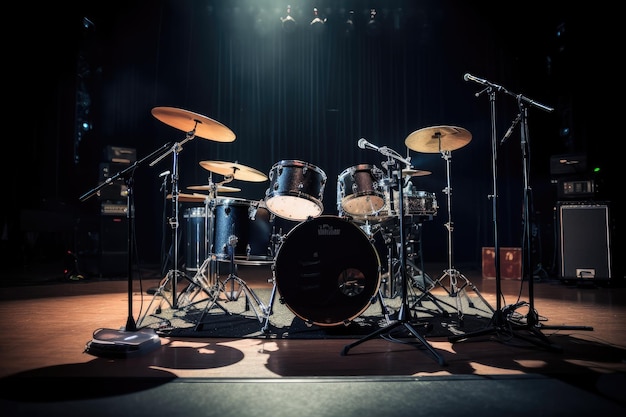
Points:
x=247, y=314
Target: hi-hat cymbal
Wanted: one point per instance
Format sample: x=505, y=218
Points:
x=415, y=173
x=438, y=139
x=219, y=188
x=238, y=171
x=188, y=121
x=188, y=198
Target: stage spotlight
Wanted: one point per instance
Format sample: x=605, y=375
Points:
x=289, y=23
x=373, y=26
x=349, y=23
x=317, y=23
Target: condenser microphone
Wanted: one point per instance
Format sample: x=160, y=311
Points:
x=364, y=144
x=164, y=173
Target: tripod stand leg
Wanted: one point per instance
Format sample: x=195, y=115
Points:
x=426, y=294
x=213, y=301
x=478, y=294
x=383, y=306
x=392, y=326
x=160, y=292
x=268, y=313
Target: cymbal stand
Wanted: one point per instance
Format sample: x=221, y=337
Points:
x=237, y=287
x=403, y=313
x=174, y=274
x=452, y=273
x=418, y=272
x=205, y=280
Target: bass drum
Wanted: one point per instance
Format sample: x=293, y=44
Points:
x=327, y=271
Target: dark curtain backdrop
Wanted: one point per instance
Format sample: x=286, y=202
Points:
x=305, y=95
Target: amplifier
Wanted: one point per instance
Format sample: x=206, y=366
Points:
x=113, y=209
x=584, y=241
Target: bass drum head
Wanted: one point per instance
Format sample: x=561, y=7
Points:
x=327, y=271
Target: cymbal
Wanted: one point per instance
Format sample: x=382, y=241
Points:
x=188, y=121
x=415, y=173
x=219, y=188
x=188, y=198
x=438, y=139
x=238, y=171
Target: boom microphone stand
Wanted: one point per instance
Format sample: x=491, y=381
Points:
x=148, y=338
x=500, y=323
x=403, y=313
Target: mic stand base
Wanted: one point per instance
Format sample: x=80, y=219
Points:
x=388, y=329
x=508, y=329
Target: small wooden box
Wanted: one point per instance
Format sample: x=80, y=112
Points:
x=510, y=263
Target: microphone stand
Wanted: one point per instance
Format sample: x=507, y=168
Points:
x=403, y=313
x=131, y=325
x=500, y=322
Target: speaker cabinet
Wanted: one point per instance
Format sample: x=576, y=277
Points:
x=584, y=241
x=113, y=245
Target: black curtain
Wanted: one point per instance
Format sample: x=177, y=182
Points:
x=308, y=93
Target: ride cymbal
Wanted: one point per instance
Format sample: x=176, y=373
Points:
x=219, y=188
x=238, y=171
x=200, y=125
x=438, y=139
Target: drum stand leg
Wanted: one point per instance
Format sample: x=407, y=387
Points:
x=172, y=275
x=455, y=291
x=232, y=287
x=268, y=311
x=205, y=281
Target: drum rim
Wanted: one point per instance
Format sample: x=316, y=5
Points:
x=300, y=163
x=356, y=168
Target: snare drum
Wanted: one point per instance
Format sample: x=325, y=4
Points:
x=416, y=203
x=359, y=192
x=296, y=190
x=420, y=202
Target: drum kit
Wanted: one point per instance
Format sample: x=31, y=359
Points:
x=327, y=268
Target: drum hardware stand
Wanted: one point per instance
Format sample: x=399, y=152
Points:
x=277, y=241
x=237, y=286
x=403, y=313
x=453, y=274
x=501, y=322
x=421, y=273
x=173, y=274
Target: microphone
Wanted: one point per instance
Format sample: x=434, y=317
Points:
x=164, y=173
x=510, y=131
x=470, y=77
x=364, y=144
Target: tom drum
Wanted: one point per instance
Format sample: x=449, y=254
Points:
x=296, y=190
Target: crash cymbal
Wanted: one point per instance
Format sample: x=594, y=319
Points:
x=188, y=121
x=415, y=173
x=238, y=171
x=219, y=188
x=188, y=198
x=438, y=139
